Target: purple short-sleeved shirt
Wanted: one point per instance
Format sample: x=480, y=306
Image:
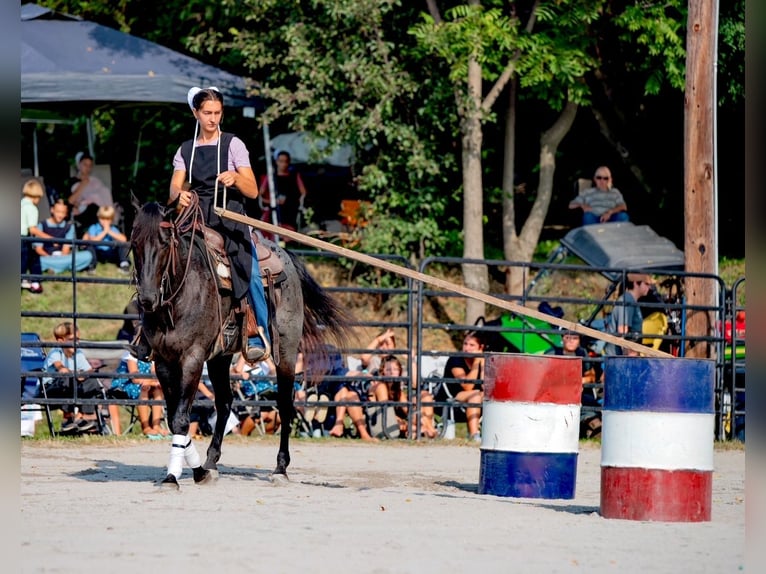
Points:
x=238, y=155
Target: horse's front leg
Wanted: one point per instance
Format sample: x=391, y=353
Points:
x=179, y=384
x=286, y=414
x=218, y=370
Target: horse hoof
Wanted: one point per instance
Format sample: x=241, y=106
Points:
x=205, y=476
x=170, y=484
x=279, y=478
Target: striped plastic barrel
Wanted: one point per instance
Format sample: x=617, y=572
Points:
x=657, y=439
x=530, y=426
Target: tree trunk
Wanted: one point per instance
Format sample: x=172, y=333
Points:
x=475, y=276
x=700, y=247
x=509, y=167
x=522, y=246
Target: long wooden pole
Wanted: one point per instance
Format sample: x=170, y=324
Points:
x=441, y=283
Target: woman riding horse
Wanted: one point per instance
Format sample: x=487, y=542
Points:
x=201, y=164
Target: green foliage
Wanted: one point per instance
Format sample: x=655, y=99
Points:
x=656, y=31
x=382, y=76
x=486, y=35
x=342, y=70
x=544, y=249
x=731, y=52
x=92, y=298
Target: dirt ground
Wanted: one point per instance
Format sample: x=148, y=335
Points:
x=349, y=507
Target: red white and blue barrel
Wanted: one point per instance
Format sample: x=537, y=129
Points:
x=530, y=425
x=657, y=439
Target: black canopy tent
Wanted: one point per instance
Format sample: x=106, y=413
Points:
x=67, y=59
x=74, y=66
x=70, y=66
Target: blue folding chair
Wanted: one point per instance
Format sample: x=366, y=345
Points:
x=32, y=361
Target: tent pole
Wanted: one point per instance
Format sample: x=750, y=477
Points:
x=89, y=129
x=34, y=150
x=270, y=178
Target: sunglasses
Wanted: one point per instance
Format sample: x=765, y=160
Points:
x=602, y=177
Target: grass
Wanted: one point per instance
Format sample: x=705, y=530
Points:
x=730, y=270
x=91, y=298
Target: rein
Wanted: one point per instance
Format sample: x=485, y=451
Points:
x=185, y=222
x=188, y=221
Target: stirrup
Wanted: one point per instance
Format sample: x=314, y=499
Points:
x=255, y=354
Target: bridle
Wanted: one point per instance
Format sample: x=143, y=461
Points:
x=188, y=221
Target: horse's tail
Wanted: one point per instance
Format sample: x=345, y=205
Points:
x=324, y=320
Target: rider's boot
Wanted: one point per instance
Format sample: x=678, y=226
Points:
x=258, y=347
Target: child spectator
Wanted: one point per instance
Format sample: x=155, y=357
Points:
x=57, y=257
x=30, y=218
x=468, y=369
x=386, y=341
x=144, y=388
x=382, y=391
x=105, y=230
x=63, y=360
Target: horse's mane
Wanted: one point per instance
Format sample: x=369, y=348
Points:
x=147, y=223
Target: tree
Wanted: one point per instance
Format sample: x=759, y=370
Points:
x=549, y=49
x=483, y=43
x=344, y=70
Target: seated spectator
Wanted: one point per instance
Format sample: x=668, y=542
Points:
x=57, y=257
x=386, y=341
x=467, y=369
x=30, y=219
x=602, y=203
x=129, y=326
x=63, y=360
x=353, y=394
x=590, y=420
x=88, y=193
x=626, y=316
x=105, y=230
x=382, y=391
x=332, y=364
x=143, y=388
x=252, y=382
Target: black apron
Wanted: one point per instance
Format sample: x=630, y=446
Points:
x=236, y=236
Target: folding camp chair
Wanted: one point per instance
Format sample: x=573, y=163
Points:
x=33, y=361
x=432, y=375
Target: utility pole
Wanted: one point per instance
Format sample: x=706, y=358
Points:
x=700, y=241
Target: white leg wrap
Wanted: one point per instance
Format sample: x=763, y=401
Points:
x=191, y=455
x=177, y=451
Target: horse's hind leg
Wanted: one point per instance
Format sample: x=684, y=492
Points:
x=218, y=371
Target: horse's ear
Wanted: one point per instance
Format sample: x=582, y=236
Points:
x=135, y=201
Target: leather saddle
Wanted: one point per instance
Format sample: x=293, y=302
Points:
x=271, y=267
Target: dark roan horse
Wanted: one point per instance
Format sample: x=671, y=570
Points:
x=183, y=312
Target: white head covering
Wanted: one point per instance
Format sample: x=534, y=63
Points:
x=193, y=92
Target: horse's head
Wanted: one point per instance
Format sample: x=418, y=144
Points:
x=151, y=244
